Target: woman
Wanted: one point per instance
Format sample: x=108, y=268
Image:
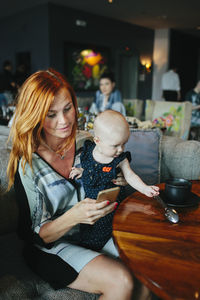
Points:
x=43, y=152
x=194, y=97
x=107, y=97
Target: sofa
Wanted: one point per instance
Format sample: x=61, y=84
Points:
x=178, y=158
x=17, y=281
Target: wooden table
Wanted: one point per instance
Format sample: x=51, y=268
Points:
x=164, y=256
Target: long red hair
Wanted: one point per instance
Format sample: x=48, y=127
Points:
x=33, y=102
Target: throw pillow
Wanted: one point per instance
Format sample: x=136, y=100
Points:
x=145, y=148
x=180, y=159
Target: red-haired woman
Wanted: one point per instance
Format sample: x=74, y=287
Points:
x=44, y=150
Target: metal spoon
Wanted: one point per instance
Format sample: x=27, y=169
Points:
x=170, y=213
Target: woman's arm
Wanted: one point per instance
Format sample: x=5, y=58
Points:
x=196, y=107
x=48, y=195
x=86, y=211
x=94, y=108
x=116, y=96
x=136, y=182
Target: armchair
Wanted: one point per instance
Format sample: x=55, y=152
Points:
x=174, y=116
x=134, y=107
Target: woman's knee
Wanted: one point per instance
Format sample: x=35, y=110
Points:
x=124, y=279
x=119, y=278
x=118, y=281
x=106, y=276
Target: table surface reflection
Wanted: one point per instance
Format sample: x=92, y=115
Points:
x=164, y=256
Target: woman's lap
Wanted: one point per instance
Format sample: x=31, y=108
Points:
x=110, y=249
x=51, y=268
x=104, y=275
x=61, y=264
x=76, y=256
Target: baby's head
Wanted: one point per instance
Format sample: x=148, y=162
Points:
x=111, y=132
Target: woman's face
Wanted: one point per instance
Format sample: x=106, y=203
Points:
x=106, y=86
x=60, y=117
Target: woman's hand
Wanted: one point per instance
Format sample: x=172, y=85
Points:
x=120, y=180
x=88, y=211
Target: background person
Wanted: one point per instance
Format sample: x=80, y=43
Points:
x=7, y=83
x=43, y=152
x=107, y=97
x=194, y=97
x=7, y=77
x=170, y=85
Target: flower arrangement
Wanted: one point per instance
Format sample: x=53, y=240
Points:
x=170, y=120
x=89, y=66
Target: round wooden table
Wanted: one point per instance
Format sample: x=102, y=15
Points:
x=162, y=255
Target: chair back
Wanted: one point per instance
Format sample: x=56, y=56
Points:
x=134, y=107
x=175, y=117
x=84, y=102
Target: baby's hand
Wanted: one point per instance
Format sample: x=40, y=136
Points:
x=75, y=172
x=151, y=190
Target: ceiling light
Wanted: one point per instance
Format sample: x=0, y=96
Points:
x=110, y=1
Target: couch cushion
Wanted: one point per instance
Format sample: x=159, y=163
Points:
x=145, y=148
x=8, y=207
x=4, y=156
x=180, y=158
x=17, y=281
x=8, y=212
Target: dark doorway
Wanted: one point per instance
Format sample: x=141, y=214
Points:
x=128, y=74
x=25, y=59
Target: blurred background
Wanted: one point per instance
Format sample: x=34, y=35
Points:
x=137, y=40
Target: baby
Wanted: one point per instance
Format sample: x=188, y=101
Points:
x=101, y=161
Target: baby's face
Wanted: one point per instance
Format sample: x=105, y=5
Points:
x=113, y=145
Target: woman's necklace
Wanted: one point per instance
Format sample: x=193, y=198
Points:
x=62, y=156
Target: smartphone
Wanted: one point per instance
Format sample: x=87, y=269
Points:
x=109, y=194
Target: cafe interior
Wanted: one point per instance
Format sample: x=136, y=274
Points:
x=138, y=41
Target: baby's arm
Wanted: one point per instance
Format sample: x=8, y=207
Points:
x=76, y=172
x=136, y=182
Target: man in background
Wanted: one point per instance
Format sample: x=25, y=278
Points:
x=170, y=85
x=194, y=97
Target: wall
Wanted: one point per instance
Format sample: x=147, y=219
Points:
x=175, y=48
x=160, y=60
x=115, y=35
x=185, y=54
x=26, y=32
x=45, y=29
